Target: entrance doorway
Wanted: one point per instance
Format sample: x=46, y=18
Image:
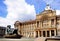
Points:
x=52, y=32
x=48, y=34
x=40, y=33
x=43, y=33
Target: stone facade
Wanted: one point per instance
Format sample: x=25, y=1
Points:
x=46, y=24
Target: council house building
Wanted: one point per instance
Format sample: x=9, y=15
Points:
x=46, y=24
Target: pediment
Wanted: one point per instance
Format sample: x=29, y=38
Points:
x=46, y=14
x=44, y=17
x=47, y=11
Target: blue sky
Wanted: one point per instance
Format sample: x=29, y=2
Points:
x=3, y=11
x=41, y=4
x=22, y=10
x=38, y=4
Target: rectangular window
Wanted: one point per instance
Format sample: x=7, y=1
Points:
x=45, y=23
x=52, y=21
x=37, y=23
x=58, y=25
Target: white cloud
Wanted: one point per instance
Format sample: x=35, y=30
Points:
x=57, y=12
x=18, y=10
x=4, y=22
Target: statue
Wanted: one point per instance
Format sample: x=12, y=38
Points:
x=9, y=31
x=12, y=35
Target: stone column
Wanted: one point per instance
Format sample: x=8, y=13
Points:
x=46, y=33
x=50, y=33
x=41, y=24
x=41, y=33
x=50, y=24
x=54, y=32
x=34, y=34
x=54, y=22
x=38, y=34
x=36, y=24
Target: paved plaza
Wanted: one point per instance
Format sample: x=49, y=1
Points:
x=23, y=39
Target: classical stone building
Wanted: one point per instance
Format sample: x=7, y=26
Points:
x=46, y=24
x=2, y=31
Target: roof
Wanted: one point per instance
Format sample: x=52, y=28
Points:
x=45, y=12
x=30, y=21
